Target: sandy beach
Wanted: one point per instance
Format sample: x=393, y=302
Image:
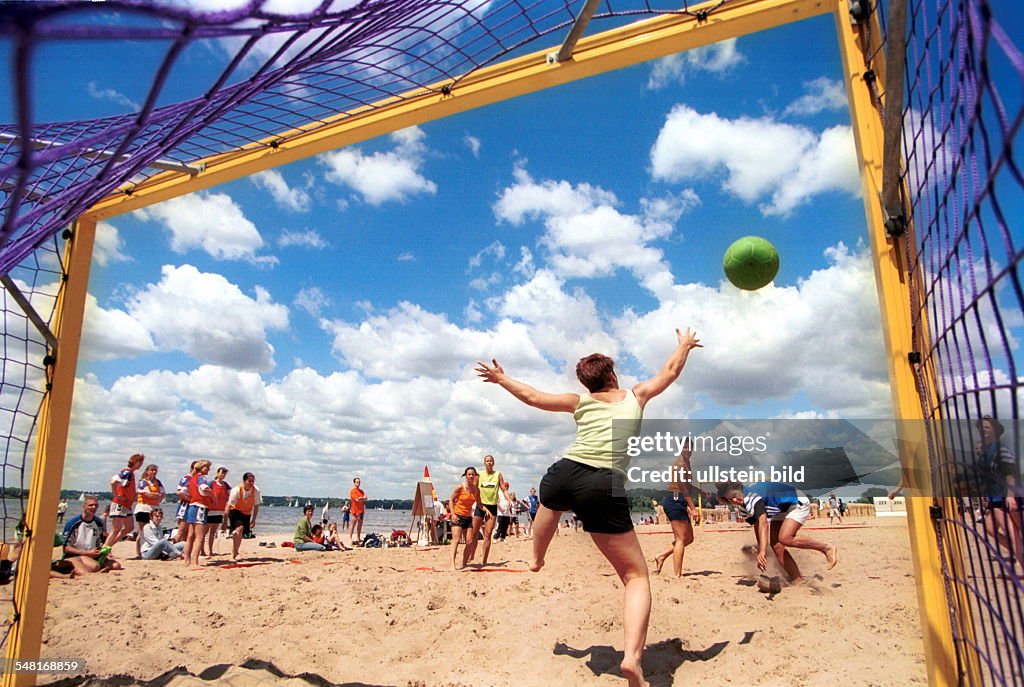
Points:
x=395, y=617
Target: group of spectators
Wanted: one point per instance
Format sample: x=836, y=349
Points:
x=205, y=507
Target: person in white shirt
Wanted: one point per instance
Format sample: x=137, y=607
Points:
x=154, y=547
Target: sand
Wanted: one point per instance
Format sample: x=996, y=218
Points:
x=393, y=617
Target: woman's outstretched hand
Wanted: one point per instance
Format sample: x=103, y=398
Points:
x=689, y=339
x=492, y=373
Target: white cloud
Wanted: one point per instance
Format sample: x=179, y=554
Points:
x=716, y=59
x=108, y=246
x=408, y=341
x=822, y=94
x=821, y=338
x=112, y=95
x=312, y=299
x=211, y=222
x=383, y=176
x=308, y=239
x=290, y=198
x=209, y=318
x=586, y=236
x=407, y=256
x=473, y=143
x=485, y=282
x=108, y=334
x=760, y=157
x=495, y=250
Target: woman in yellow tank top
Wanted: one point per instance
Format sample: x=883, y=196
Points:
x=463, y=498
x=486, y=514
x=590, y=479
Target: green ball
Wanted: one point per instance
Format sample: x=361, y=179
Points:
x=751, y=262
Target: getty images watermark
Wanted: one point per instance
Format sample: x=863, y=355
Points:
x=663, y=443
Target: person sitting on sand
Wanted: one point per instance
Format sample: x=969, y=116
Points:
x=463, y=498
x=775, y=511
x=304, y=532
x=333, y=540
x=590, y=480
x=83, y=540
x=154, y=546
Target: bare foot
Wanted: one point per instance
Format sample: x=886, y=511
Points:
x=633, y=673
x=536, y=565
x=832, y=556
x=659, y=561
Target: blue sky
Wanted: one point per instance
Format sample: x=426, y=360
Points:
x=321, y=320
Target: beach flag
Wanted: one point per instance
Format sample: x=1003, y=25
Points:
x=426, y=478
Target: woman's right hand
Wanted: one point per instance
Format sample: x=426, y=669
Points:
x=689, y=339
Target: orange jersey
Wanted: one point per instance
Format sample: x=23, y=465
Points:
x=463, y=504
x=357, y=506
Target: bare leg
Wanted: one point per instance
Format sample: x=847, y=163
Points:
x=236, y=542
x=211, y=535
x=456, y=537
x=1015, y=533
x=788, y=537
x=683, y=532
x=119, y=528
x=544, y=528
x=182, y=533
x=196, y=535
x=138, y=539
x=489, y=524
x=784, y=557
x=624, y=553
x=659, y=560
x=999, y=526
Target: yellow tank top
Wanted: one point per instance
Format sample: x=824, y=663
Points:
x=602, y=430
x=489, y=486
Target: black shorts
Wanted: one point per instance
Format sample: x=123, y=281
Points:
x=214, y=519
x=492, y=508
x=236, y=519
x=596, y=495
x=463, y=521
x=533, y=516
x=1000, y=503
x=675, y=509
x=142, y=516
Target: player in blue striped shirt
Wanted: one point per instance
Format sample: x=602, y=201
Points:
x=776, y=513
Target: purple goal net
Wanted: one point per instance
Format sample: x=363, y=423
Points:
x=964, y=198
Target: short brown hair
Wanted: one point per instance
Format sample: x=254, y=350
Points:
x=595, y=371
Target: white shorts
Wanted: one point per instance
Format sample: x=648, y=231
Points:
x=119, y=511
x=798, y=513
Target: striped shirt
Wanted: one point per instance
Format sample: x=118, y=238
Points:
x=767, y=498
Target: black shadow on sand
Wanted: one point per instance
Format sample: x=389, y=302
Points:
x=661, y=660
